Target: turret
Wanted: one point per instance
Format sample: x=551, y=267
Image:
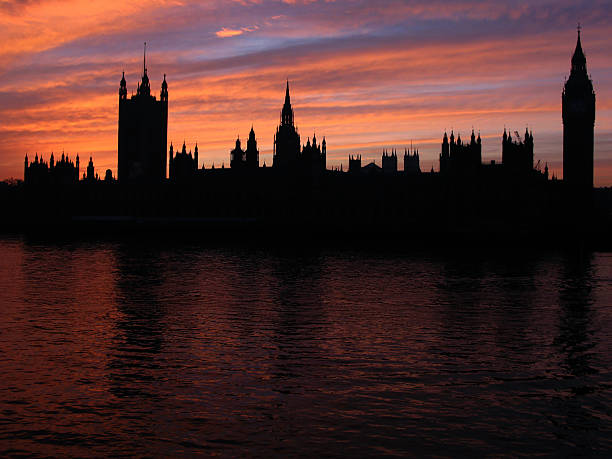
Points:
x=122, y=87
x=90, y=170
x=195, y=157
x=252, y=154
x=163, y=96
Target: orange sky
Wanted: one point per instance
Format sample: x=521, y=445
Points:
x=366, y=75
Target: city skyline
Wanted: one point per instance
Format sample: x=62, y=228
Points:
x=355, y=85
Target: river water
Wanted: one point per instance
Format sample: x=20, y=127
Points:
x=149, y=348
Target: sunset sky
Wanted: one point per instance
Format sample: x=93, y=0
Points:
x=367, y=75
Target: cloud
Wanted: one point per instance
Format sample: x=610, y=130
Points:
x=225, y=33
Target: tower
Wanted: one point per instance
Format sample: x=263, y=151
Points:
x=143, y=132
x=354, y=164
x=252, y=154
x=578, y=106
x=445, y=154
x=287, y=139
x=389, y=162
x=237, y=156
x=90, y=170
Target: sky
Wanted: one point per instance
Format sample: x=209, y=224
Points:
x=367, y=75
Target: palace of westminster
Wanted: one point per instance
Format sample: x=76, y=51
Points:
x=145, y=161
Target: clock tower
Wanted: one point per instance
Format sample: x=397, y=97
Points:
x=578, y=102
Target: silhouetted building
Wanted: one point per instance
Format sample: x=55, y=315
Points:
x=143, y=132
x=91, y=176
x=313, y=156
x=389, y=162
x=237, y=156
x=411, y=162
x=183, y=166
x=287, y=140
x=517, y=154
x=371, y=169
x=245, y=159
x=252, y=153
x=457, y=157
x=354, y=164
x=445, y=155
x=108, y=177
x=287, y=154
x=578, y=102
x=62, y=172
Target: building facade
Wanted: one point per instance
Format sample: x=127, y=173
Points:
x=458, y=157
x=412, y=164
x=183, y=165
x=389, y=162
x=143, y=132
x=245, y=159
x=40, y=172
x=517, y=154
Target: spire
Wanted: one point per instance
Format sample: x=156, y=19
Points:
x=287, y=112
x=144, y=88
x=578, y=59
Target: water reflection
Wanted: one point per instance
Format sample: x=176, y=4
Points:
x=577, y=402
x=176, y=349
x=139, y=280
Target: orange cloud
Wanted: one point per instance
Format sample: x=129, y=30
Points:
x=224, y=33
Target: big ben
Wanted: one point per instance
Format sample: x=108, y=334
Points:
x=578, y=102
